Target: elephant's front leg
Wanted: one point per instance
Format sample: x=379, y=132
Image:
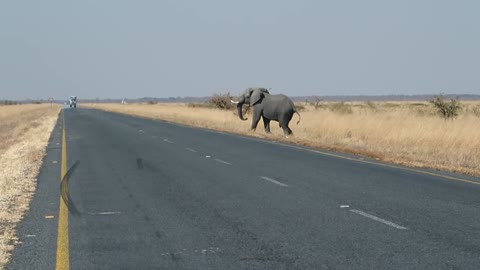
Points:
x=266, y=123
x=256, y=117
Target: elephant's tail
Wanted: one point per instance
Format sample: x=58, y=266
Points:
x=299, y=117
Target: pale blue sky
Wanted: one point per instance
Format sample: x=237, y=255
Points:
x=116, y=49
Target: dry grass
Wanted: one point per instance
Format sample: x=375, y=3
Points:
x=409, y=133
x=24, y=134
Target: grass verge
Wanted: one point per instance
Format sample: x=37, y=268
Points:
x=24, y=134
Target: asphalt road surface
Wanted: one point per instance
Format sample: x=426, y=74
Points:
x=144, y=194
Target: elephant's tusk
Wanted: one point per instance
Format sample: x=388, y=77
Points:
x=234, y=102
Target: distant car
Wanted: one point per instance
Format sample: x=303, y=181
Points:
x=73, y=102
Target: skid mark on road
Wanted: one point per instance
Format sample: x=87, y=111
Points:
x=65, y=193
x=381, y=220
x=273, y=181
x=140, y=164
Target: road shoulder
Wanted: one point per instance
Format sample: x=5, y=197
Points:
x=37, y=232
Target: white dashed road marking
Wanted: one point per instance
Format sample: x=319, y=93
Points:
x=222, y=161
x=273, y=181
x=381, y=220
x=191, y=150
x=104, y=213
x=167, y=141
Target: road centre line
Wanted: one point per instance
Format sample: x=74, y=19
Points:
x=222, y=161
x=381, y=220
x=273, y=181
x=63, y=253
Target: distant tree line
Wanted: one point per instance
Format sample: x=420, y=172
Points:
x=16, y=102
x=9, y=102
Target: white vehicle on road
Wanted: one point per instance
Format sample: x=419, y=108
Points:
x=73, y=102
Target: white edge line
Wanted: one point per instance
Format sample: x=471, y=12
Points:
x=104, y=213
x=381, y=220
x=222, y=161
x=273, y=181
x=191, y=150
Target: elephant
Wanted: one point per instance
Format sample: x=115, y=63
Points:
x=270, y=107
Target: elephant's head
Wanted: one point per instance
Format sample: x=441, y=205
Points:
x=251, y=96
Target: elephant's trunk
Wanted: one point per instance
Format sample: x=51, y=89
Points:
x=239, y=109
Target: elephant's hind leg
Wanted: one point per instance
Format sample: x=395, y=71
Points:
x=284, y=125
x=287, y=131
x=266, y=123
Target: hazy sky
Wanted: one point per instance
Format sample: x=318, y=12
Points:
x=196, y=48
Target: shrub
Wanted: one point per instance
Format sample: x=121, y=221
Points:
x=316, y=103
x=341, y=107
x=299, y=107
x=370, y=105
x=476, y=111
x=201, y=105
x=448, y=110
x=221, y=101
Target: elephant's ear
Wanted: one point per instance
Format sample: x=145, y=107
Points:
x=257, y=96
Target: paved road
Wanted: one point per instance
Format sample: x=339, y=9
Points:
x=146, y=194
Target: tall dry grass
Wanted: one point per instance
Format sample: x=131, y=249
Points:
x=24, y=134
x=409, y=133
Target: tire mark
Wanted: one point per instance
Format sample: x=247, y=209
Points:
x=67, y=199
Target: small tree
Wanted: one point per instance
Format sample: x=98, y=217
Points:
x=317, y=103
x=448, y=110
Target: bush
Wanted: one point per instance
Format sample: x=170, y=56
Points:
x=448, y=110
x=201, y=105
x=372, y=106
x=221, y=101
x=341, y=107
x=300, y=107
x=316, y=103
x=476, y=110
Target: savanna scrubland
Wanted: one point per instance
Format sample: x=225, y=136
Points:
x=24, y=134
x=414, y=134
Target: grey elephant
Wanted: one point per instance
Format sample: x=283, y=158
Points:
x=269, y=107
